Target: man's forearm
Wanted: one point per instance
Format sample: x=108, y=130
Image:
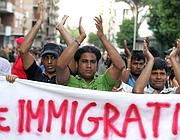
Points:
x=143, y=78
x=67, y=55
x=66, y=36
x=112, y=52
x=28, y=40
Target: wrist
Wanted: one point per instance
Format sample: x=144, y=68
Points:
x=39, y=22
x=77, y=42
x=102, y=36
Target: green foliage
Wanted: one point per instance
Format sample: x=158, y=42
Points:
x=164, y=21
x=126, y=33
x=73, y=31
x=139, y=3
x=93, y=39
x=127, y=28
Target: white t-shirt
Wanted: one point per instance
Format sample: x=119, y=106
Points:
x=125, y=88
x=5, y=67
x=151, y=90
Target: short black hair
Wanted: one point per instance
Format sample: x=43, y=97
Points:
x=167, y=52
x=138, y=55
x=160, y=64
x=89, y=49
x=154, y=52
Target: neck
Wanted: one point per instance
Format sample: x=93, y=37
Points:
x=88, y=80
x=50, y=75
x=158, y=89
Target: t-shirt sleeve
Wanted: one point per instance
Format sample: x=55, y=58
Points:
x=107, y=81
x=33, y=71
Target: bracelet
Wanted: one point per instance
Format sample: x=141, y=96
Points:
x=79, y=43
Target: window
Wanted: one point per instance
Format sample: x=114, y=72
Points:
x=21, y=3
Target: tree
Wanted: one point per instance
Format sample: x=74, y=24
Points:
x=126, y=33
x=164, y=21
x=141, y=6
x=137, y=6
x=93, y=39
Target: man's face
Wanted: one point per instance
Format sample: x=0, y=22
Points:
x=158, y=79
x=168, y=61
x=87, y=66
x=137, y=66
x=49, y=61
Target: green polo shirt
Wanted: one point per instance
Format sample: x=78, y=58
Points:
x=100, y=82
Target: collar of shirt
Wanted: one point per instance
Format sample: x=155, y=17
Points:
x=151, y=90
x=82, y=79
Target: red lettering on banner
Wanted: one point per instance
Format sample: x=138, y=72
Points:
x=76, y=118
x=21, y=107
x=108, y=121
x=38, y=114
x=156, y=117
x=4, y=128
x=175, y=119
x=73, y=116
x=93, y=119
x=52, y=112
x=132, y=109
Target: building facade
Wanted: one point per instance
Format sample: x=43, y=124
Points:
x=11, y=21
x=17, y=17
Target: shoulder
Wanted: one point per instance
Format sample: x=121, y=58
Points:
x=4, y=61
x=169, y=90
x=149, y=90
x=5, y=66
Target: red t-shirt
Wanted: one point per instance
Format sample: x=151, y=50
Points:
x=17, y=68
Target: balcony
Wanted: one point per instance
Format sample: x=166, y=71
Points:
x=6, y=7
x=35, y=4
x=17, y=31
x=50, y=21
x=5, y=30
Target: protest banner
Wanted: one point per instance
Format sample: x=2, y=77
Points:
x=31, y=110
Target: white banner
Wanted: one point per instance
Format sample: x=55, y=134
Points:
x=32, y=110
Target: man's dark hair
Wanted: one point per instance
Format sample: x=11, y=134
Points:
x=87, y=49
x=3, y=54
x=137, y=55
x=154, y=52
x=160, y=64
x=108, y=62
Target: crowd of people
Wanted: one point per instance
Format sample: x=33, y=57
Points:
x=138, y=71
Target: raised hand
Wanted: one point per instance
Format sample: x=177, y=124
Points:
x=126, y=50
x=147, y=41
x=40, y=14
x=81, y=29
x=147, y=53
x=178, y=42
x=99, y=26
x=60, y=25
x=175, y=50
x=174, y=62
